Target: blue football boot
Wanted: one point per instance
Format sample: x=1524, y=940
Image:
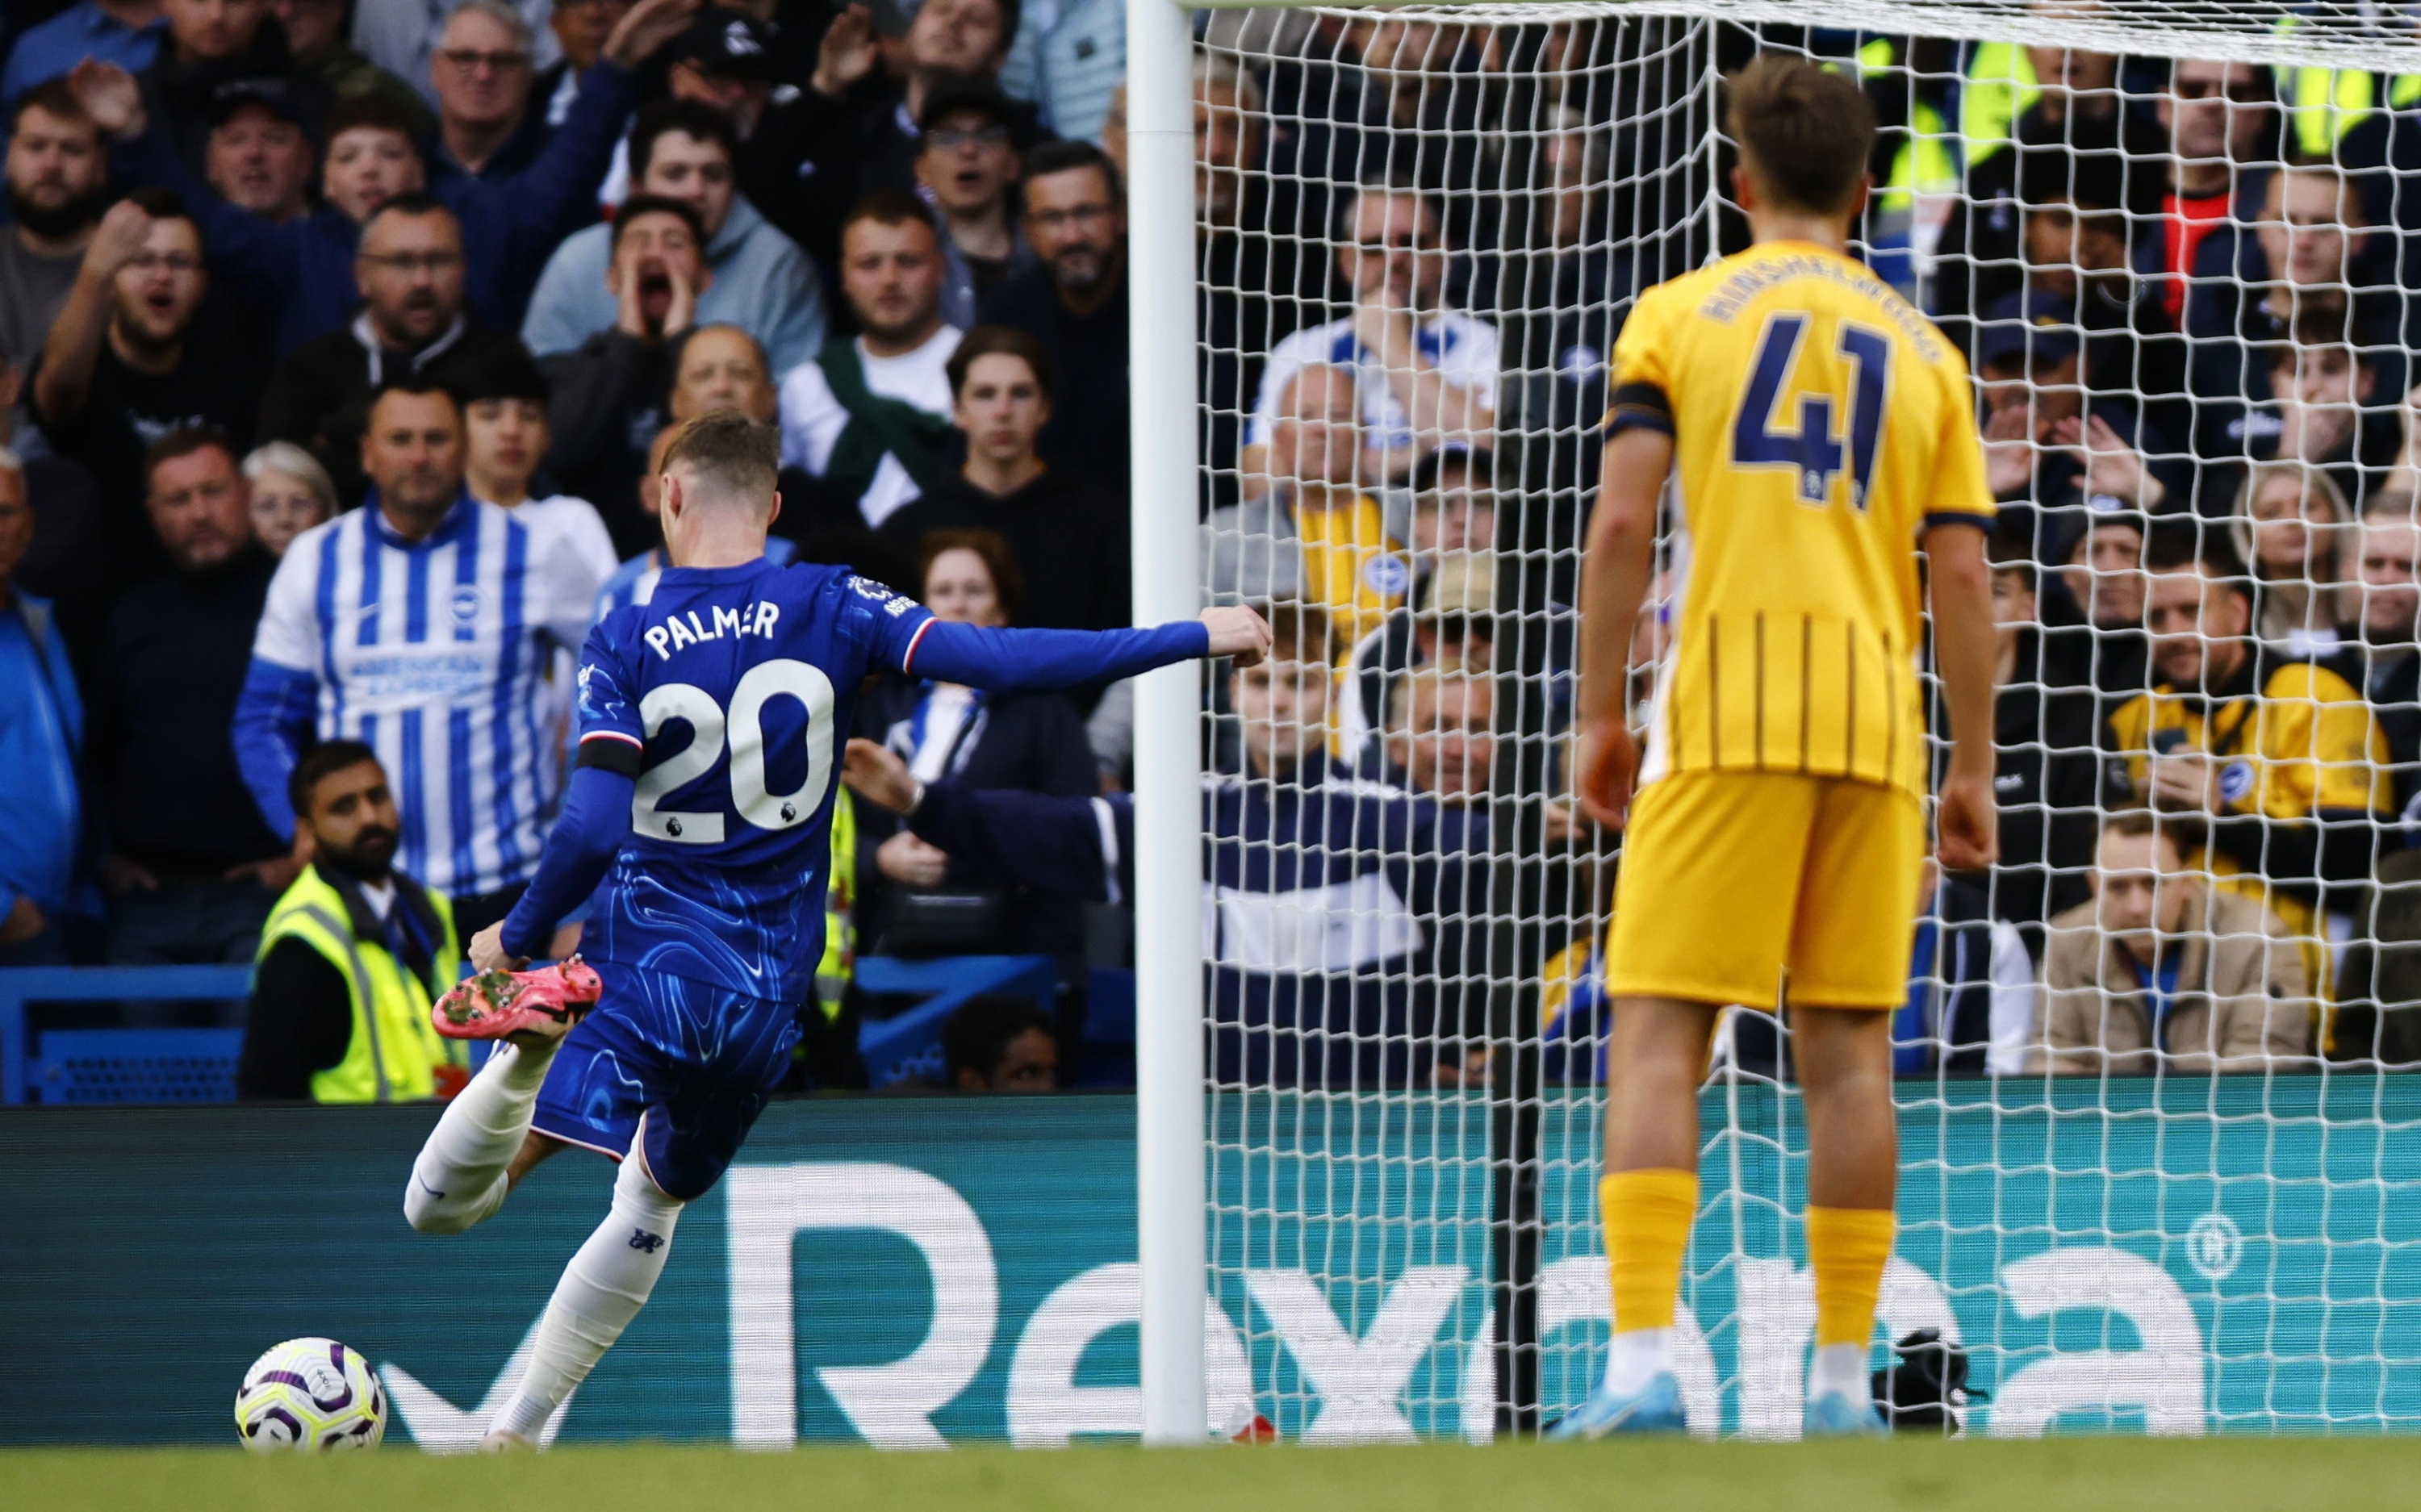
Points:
x=1655, y=1407
x=1839, y=1415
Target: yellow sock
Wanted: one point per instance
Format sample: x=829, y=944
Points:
x=1847, y=1248
x=1648, y=1218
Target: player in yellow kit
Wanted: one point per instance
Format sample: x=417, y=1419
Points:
x=1823, y=435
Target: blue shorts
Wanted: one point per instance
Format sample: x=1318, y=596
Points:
x=696, y=1058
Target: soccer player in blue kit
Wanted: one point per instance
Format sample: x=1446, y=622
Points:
x=710, y=724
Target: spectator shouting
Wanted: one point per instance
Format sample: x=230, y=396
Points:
x=127, y=362
x=683, y=150
x=966, y=168
x=423, y=624
x=610, y=392
x=192, y=868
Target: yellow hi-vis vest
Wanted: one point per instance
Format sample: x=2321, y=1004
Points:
x=2000, y=86
x=393, y=1053
x=839, y=962
x=2322, y=104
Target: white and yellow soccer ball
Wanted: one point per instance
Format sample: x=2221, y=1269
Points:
x=313, y=1395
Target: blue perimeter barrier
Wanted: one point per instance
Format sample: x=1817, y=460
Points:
x=108, y=1066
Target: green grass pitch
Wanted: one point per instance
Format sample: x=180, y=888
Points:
x=2074, y=1475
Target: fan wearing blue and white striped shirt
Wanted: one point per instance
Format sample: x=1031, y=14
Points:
x=422, y=623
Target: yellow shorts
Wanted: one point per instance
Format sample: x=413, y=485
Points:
x=1752, y=886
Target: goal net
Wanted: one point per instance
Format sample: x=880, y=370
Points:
x=2175, y=240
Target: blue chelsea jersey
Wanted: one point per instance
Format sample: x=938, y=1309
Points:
x=736, y=685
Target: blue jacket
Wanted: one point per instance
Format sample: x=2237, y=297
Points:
x=300, y=272
x=763, y=284
x=42, y=743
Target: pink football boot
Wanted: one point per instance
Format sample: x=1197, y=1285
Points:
x=492, y=1004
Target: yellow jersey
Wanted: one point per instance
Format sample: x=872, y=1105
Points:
x=2291, y=740
x=1352, y=566
x=1819, y=424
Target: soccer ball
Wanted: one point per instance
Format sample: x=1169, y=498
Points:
x=311, y=1394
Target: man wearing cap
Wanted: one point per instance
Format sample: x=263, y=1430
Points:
x=685, y=150
x=966, y=166
x=2051, y=449
x=209, y=49
x=259, y=158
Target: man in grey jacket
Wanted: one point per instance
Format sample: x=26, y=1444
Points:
x=2163, y=972
x=685, y=150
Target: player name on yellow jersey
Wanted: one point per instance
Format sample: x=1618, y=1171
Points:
x=1819, y=424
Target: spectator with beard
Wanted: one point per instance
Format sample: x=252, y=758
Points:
x=870, y=418
x=258, y=159
x=131, y=359
x=295, y=275
x=56, y=174
x=412, y=324
x=1075, y=302
x=853, y=129
x=124, y=32
x=191, y=869
x=685, y=150
x=427, y=623
x=315, y=36
x=1067, y=532
x=966, y=166
x=212, y=46
x=609, y=393
x=355, y=956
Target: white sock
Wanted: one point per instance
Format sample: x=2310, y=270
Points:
x=459, y=1178
x=1841, y=1368
x=1634, y=1359
x=601, y=1290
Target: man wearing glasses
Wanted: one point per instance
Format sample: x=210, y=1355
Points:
x=412, y=324
x=128, y=361
x=1074, y=216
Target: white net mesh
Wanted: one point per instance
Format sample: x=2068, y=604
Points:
x=2173, y=239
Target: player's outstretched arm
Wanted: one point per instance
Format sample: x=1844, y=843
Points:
x=1961, y=584
x=1617, y=570
x=595, y=820
x=1038, y=660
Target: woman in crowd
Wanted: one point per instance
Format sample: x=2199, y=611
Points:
x=921, y=902
x=2292, y=524
x=291, y=494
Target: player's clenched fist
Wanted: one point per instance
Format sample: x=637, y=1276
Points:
x=1237, y=632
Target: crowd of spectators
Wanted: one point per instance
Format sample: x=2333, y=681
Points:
x=337, y=344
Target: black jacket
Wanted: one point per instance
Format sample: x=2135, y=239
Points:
x=184, y=97
x=1089, y=400
x=163, y=696
x=320, y=396
x=1067, y=530
x=609, y=401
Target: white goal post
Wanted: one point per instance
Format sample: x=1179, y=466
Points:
x=2354, y=1133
